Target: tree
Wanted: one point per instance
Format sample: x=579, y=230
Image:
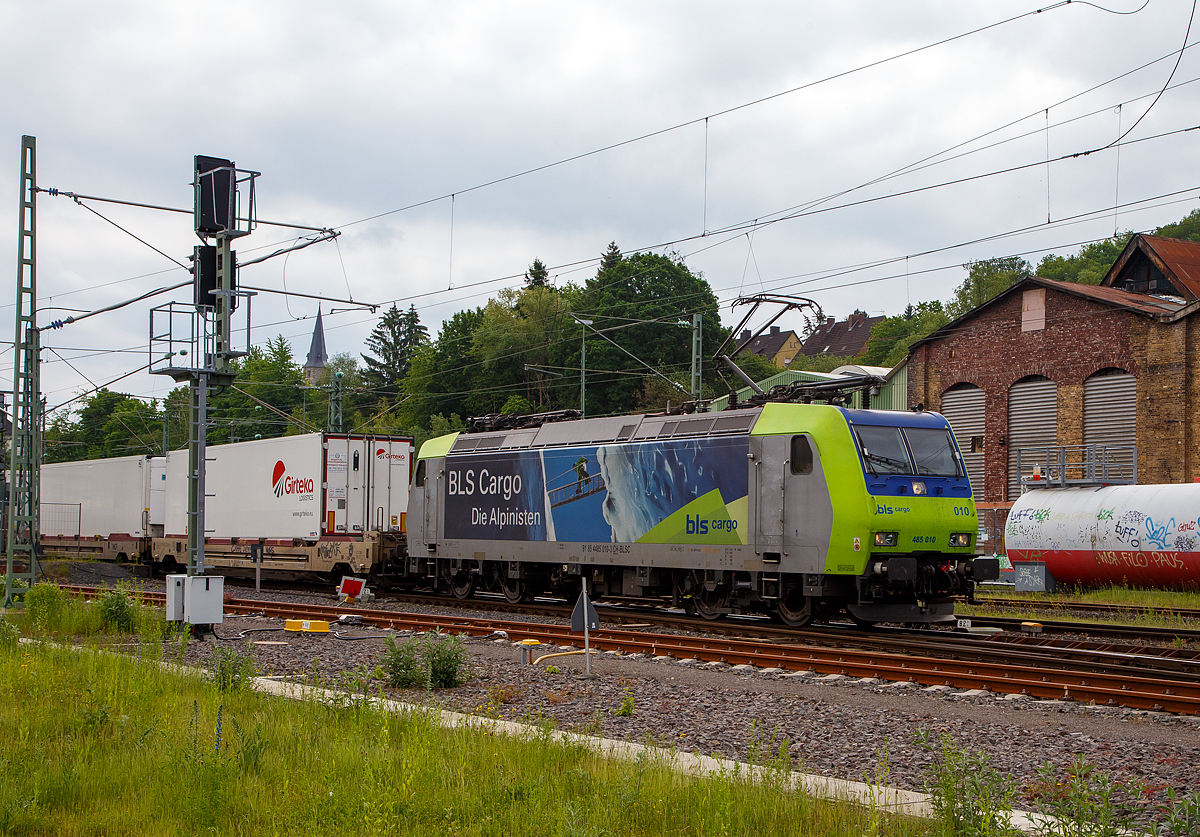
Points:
x=1089, y=265
x=891, y=339
x=537, y=276
x=392, y=343
x=986, y=279
x=637, y=302
x=1188, y=228
x=521, y=329
x=108, y=424
x=610, y=258
x=446, y=377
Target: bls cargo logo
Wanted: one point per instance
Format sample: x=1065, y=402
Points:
x=283, y=484
x=383, y=454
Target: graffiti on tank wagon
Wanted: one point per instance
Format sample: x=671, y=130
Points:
x=1157, y=534
x=1141, y=560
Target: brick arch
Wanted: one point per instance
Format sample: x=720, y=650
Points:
x=1123, y=366
x=1023, y=373
x=963, y=384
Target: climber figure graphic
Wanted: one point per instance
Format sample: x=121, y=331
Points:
x=581, y=472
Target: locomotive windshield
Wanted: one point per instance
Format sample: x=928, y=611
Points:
x=932, y=451
x=884, y=451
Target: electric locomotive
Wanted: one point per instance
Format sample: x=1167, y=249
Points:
x=797, y=510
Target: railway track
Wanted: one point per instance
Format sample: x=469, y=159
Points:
x=1090, y=607
x=1142, y=679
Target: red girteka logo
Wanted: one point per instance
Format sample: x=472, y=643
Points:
x=289, y=485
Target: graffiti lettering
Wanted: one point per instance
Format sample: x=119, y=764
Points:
x=1157, y=534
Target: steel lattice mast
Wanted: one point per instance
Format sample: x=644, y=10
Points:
x=24, y=503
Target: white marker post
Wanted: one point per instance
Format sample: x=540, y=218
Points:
x=583, y=618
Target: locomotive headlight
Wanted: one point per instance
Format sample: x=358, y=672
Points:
x=960, y=539
x=887, y=538
x=919, y=489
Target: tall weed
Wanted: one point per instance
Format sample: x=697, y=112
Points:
x=118, y=610
x=437, y=661
x=232, y=670
x=1079, y=801
x=970, y=798
x=44, y=605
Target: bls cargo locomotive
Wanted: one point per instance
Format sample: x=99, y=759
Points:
x=798, y=510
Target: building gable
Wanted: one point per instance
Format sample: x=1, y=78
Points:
x=1157, y=266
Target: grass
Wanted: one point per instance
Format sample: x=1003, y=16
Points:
x=97, y=743
x=1149, y=606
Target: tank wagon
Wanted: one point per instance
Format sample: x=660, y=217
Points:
x=789, y=509
x=316, y=503
x=1142, y=535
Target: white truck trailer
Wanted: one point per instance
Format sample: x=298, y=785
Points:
x=102, y=506
x=316, y=503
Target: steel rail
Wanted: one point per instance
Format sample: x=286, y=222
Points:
x=1116, y=688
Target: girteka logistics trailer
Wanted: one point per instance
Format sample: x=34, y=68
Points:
x=316, y=503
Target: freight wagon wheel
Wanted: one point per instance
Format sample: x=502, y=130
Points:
x=795, y=609
x=462, y=585
x=516, y=591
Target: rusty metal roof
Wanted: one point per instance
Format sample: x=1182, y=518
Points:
x=1152, y=306
x=1142, y=303
x=1181, y=260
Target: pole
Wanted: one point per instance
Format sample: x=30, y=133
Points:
x=197, y=453
x=582, y=365
x=697, y=358
x=24, y=525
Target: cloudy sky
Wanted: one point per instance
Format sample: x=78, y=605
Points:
x=854, y=152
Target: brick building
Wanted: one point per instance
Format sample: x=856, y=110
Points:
x=1048, y=364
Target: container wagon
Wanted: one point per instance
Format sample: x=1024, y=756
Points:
x=318, y=503
x=102, y=507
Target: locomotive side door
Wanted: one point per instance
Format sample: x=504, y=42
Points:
x=425, y=507
x=808, y=513
x=415, y=519
x=768, y=495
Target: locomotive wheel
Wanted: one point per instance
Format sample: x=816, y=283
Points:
x=516, y=591
x=795, y=609
x=462, y=585
x=709, y=605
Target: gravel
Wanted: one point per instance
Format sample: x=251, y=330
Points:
x=829, y=725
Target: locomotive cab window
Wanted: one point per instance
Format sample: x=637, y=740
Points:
x=802, y=455
x=933, y=452
x=419, y=476
x=883, y=450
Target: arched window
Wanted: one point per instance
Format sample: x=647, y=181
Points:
x=1032, y=424
x=962, y=405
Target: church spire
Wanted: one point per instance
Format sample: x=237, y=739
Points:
x=317, y=358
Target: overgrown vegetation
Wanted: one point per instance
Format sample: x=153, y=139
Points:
x=970, y=798
x=99, y=732
x=1149, y=608
x=433, y=660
